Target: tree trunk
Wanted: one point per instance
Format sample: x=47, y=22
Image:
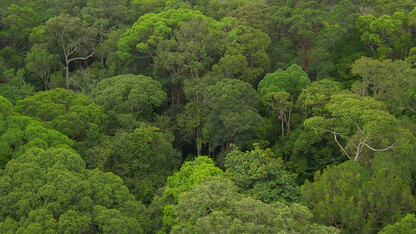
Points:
x=305, y=59
x=198, y=141
x=178, y=96
x=101, y=49
x=67, y=73
x=283, y=126
x=45, y=83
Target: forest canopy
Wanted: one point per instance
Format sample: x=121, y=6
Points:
x=207, y=116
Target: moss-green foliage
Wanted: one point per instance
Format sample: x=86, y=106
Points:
x=233, y=111
x=405, y=225
x=74, y=115
x=356, y=199
x=328, y=85
x=291, y=80
x=128, y=98
x=18, y=133
x=191, y=173
x=260, y=174
x=143, y=158
x=215, y=205
x=50, y=190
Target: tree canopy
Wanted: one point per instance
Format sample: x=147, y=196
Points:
x=207, y=116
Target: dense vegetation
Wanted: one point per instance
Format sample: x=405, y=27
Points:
x=207, y=116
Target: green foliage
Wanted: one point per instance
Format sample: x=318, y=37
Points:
x=70, y=39
x=190, y=174
x=387, y=81
x=50, y=190
x=361, y=122
x=280, y=89
x=233, y=112
x=260, y=174
x=312, y=100
x=42, y=63
x=190, y=50
x=348, y=197
x=305, y=22
x=151, y=29
x=291, y=80
x=17, y=24
x=245, y=56
x=74, y=115
x=215, y=206
x=127, y=97
x=16, y=90
x=143, y=158
x=388, y=36
x=305, y=152
x=194, y=77
x=19, y=133
x=256, y=15
x=405, y=225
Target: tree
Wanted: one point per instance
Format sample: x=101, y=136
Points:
x=143, y=158
x=280, y=89
x=387, y=81
x=192, y=119
x=245, y=56
x=188, y=54
x=104, y=17
x=18, y=133
x=405, y=225
x=42, y=63
x=305, y=22
x=312, y=99
x=387, y=36
x=74, y=115
x=256, y=15
x=140, y=42
x=126, y=98
x=362, y=122
x=191, y=173
x=215, y=206
x=17, y=24
x=16, y=89
x=50, y=190
x=304, y=152
x=70, y=38
x=355, y=199
x=261, y=175
x=233, y=113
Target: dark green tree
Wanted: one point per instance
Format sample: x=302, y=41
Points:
x=233, y=113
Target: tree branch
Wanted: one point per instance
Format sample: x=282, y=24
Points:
x=342, y=148
x=80, y=58
x=379, y=150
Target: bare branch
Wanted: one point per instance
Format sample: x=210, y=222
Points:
x=340, y=146
x=80, y=58
x=380, y=150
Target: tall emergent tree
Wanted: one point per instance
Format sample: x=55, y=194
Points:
x=364, y=125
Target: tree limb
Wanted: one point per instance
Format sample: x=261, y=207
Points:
x=80, y=58
x=379, y=150
x=342, y=148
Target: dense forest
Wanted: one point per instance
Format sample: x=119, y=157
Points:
x=207, y=116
